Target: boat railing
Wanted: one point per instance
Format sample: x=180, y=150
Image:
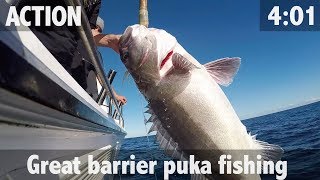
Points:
x=115, y=108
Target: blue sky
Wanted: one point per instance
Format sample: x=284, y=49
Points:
x=278, y=69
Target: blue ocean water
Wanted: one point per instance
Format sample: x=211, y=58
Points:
x=296, y=130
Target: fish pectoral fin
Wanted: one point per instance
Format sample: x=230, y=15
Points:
x=182, y=63
x=223, y=70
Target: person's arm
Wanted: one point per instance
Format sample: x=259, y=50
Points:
x=107, y=40
x=120, y=98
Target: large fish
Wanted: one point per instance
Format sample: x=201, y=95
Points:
x=189, y=111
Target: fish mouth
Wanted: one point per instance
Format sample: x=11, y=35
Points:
x=166, y=64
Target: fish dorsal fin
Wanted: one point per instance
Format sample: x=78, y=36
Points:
x=182, y=63
x=223, y=70
x=166, y=143
x=152, y=118
x=149, y=111
x=155, y=126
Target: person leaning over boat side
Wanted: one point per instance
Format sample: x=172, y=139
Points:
x=83, y=70
x=100, y=41
x=85, y=74
x=62, y=41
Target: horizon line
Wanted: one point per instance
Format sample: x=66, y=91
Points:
x=280, y=109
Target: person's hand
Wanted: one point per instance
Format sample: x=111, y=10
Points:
x=121, y=99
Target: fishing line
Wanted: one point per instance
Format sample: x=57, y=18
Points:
x=147, y=134
x=126, y=77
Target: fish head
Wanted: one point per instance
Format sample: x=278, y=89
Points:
x=147, y=53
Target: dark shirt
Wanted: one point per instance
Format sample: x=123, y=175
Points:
x=92, y=11
x=60, y=41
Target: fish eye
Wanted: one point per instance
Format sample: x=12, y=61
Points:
x=124, y=56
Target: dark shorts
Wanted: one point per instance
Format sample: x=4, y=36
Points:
x=83, y=72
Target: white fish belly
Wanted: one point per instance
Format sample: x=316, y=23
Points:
x=202, y=114
x=200, y=119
